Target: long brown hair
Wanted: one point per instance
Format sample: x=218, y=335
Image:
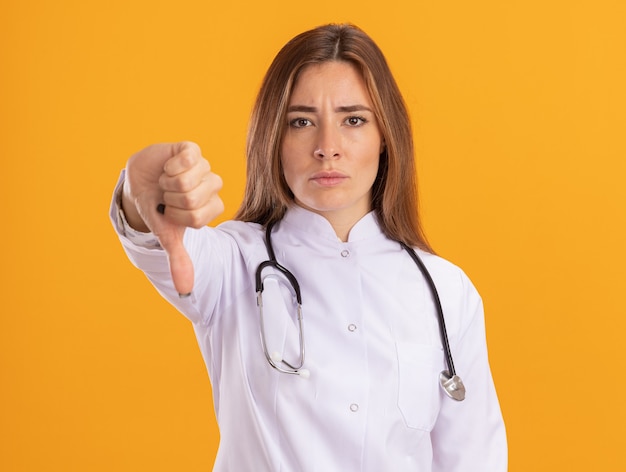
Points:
x=394, y=193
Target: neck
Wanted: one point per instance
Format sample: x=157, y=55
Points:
x=342, y=220
x=342, y=231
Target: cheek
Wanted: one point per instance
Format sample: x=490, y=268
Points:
x=288, y=166
x=372, y=164
x=373, y=174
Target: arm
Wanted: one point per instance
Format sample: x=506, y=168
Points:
x=168, y=188
x=470, y=435
x=145, y=252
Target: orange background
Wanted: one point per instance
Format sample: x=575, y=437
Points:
x=519, y=116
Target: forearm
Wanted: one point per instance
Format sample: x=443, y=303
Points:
x=470, y=435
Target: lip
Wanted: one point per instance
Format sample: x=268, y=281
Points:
x=328, y=178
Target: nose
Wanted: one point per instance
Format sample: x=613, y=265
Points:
x=328, y=143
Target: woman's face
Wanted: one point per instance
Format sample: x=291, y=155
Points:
x=331, y=148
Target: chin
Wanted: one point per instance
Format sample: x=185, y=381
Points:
x=321, y=206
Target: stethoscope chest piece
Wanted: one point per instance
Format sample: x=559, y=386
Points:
x=452, y=385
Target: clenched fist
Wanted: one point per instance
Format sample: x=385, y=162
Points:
x=168, y=188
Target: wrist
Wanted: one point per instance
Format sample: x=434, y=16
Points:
x=133, y=218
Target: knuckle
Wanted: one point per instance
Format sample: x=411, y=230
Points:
x=217, y=207
x=190, y=201
x=214, y=182
x=220, y=207
x=183, y=183
x=204, y=164
x=219, y=183
x=190, y=145
x=196, y=221
x=186, y=158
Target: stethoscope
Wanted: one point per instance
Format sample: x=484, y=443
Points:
x=449, y=380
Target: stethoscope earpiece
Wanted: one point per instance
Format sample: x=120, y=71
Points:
x=452, y=385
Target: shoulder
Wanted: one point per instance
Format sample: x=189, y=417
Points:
x=457, y=293
x=246, y=237
x=241, y=230
x=442, y=269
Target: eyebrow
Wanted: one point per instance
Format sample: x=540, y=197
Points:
x=344, y=109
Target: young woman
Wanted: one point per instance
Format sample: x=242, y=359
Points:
x=318, y=324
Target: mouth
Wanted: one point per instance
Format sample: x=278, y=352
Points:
x=328, y=178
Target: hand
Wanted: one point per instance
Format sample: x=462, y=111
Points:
x=168, y=188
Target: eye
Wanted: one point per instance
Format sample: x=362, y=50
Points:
x=355, y=121
x=300, y=123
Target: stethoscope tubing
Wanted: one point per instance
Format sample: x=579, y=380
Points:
x=450, y=382
x=437, y=301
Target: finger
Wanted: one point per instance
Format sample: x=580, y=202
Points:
x=181, y=266
x=197, y=197
x=194, y=218
x=170, y=236
x=181, y=269
x=187, y=179
x=185, y=156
